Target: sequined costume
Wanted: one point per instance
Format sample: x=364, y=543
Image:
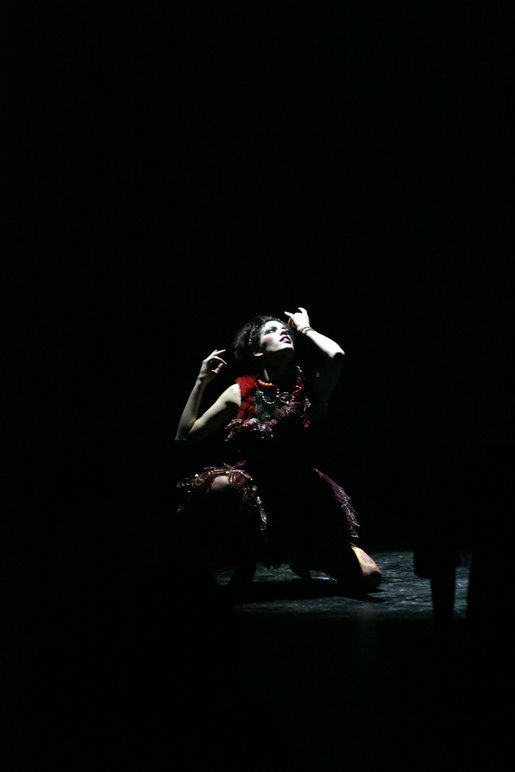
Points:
x=296, y=512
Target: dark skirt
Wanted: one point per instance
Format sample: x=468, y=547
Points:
x=301, y=516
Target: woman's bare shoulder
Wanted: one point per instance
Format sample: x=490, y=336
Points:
x=232, y=395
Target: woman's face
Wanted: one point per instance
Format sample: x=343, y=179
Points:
x=275, y=336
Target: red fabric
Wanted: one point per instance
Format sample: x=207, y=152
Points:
x=247, y=384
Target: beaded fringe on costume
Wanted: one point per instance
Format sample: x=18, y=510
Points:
x=198, y=485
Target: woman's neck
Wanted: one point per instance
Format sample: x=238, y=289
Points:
x=278, y=372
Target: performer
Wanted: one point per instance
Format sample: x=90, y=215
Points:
x=267, y=498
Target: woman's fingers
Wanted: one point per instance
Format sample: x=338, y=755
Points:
x=216, y=362
x=213, y=363
x=296, y=316
x=216, y=355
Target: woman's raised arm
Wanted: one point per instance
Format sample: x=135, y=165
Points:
x=333, y=352
x=193, y=428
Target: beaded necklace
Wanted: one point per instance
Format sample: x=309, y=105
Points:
x=268, y=397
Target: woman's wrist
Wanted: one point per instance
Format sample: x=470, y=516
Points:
x=304, y=329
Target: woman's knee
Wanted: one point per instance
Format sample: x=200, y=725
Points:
x=222, y=490
x=219, y=484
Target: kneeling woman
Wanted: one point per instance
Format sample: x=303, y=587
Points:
x=266, y=498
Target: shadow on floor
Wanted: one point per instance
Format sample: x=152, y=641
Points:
x=288, y=679
x=300, y=589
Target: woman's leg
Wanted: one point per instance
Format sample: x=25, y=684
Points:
x=332, y=552
x=236, y=536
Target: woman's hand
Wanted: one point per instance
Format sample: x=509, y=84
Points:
x=299, y=319
x=191, y=427
x=211, y=366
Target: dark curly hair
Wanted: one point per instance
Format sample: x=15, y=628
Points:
x=246, y=341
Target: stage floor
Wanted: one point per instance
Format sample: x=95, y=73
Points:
x=331, y=681
x=401, y=594
x=291, y=677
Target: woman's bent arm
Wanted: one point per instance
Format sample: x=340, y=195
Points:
x=333, y=352
x=192, y=428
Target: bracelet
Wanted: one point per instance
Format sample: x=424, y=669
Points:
x=304, y=330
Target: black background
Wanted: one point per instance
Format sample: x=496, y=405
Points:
x=174, y=168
